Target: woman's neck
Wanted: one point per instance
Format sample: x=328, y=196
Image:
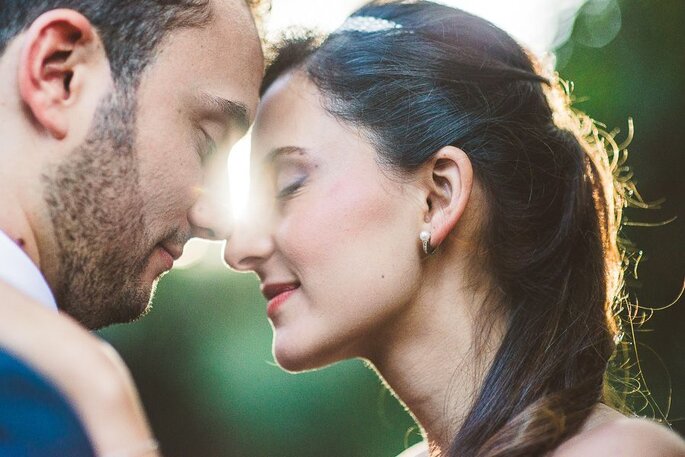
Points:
x=436, y=355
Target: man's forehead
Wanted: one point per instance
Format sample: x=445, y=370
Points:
x=241, y=13
x=259, y=6
x=260, y=9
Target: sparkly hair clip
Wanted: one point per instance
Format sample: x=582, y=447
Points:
x=367, y=24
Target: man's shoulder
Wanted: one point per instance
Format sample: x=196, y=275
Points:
x=57, y=347
x=21, y=385
x=35, y=418
x=87, y=379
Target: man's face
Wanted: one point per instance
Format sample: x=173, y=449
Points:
x=124, y=203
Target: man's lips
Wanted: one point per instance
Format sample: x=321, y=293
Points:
x=277, y=294
x=174, y=251
x=168, y=254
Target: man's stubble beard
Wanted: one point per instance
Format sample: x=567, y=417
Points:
x=96, y=207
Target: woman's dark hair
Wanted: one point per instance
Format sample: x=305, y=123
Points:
x=447, y=77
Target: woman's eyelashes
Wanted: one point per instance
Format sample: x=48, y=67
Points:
x=291, y=189
x=290, y=172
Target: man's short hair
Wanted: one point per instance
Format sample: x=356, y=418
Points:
x=131, y=30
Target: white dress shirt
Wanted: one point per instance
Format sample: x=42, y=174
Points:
x=17, y=270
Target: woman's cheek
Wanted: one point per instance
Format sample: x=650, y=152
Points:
x=341, y=219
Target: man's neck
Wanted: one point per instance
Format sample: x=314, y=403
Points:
x=15, y=223
x=15, y=177
x=20, y=264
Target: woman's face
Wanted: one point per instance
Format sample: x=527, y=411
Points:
x=331, y=234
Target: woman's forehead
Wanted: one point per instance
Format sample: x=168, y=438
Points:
x=292, y=114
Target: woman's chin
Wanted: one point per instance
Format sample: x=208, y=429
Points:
x=296, y=358
x=292, y=363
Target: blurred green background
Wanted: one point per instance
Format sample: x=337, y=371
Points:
x=202, y=358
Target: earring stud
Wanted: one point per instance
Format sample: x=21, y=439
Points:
x=425, y=238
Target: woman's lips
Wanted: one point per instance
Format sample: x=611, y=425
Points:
x=277, y=294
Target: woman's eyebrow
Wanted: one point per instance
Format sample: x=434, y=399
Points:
x=284, y=150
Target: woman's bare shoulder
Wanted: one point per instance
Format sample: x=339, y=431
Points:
x=417, y=450
x=624, y=436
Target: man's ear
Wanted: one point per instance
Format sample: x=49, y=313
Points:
x=449, y=179
x=61, y=49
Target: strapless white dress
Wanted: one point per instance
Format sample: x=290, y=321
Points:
x=417, y=450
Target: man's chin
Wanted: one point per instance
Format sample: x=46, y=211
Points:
x=140, y=304
x=126, y=306
x=130, y=306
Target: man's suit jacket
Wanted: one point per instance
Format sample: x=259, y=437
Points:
x=35, y=419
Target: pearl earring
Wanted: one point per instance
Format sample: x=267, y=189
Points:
x=425, y=238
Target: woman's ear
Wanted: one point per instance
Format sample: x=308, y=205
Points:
x=449, y=179
x=62, y=57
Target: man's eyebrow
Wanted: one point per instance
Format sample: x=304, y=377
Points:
x=233, y=114
x=284, y=150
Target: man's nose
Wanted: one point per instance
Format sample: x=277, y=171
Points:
x=210, y=217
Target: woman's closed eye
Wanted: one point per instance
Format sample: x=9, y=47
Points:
x=290, y=187
x=290, y=169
